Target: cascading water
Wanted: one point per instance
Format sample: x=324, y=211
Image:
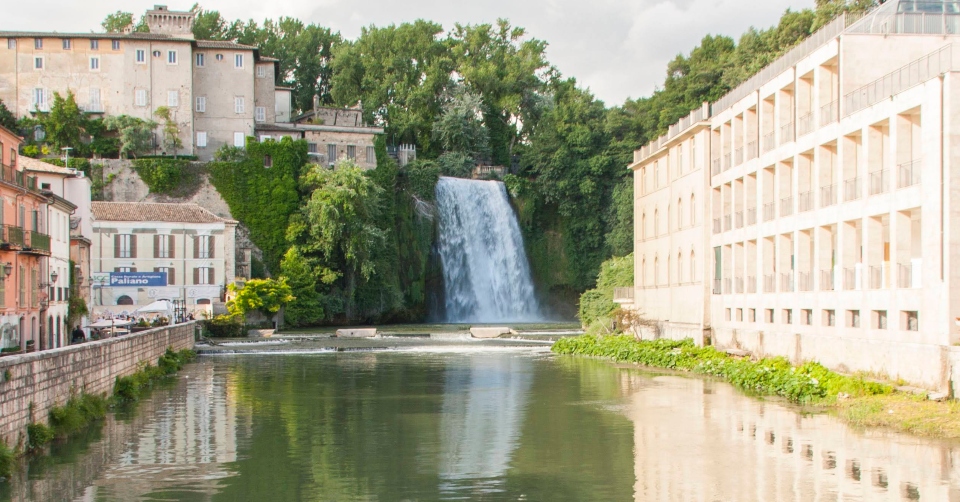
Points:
x=485, y=271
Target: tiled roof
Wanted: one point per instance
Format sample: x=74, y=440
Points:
x=40, y=166
x=222, y=44
x=153, y=211
x=117, y=36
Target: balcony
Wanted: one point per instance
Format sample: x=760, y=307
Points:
x=769, y=211
x=738, y=219
x=851, y=279
x=752, y=216
x=728, y=286
x=878, y=182
x=752, y=150
x=805, y=201
x=909, y=274
x=716, y=286
x=13, y=236
x=738, y=284
x=786, y=282
x=727, y=222
x=738, y=156
x=804, y=281
x=623, y=295
x=751, y=284
x=828, y=113
x=769, y=141
x=826, y=280
x=875, y=277
x=716, y=226
x=27, y=241
x=805, y=124
x=726, y=161
x=828, y=195
x=715, y=167
x=787, y=132
x=786, y=206
x=769, y=283
x=851, y=189
x=908, y=174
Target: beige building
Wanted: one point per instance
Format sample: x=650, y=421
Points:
x=194, y=247
x=832, y=232
x=217, y=91
x=332, y=134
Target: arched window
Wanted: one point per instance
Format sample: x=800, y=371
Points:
x=668, y=270
x=679, y=214
x=693, y=212
x=656, y=222
x=643, y=271
x=667, y=228
x=643, y=226
x=656, y=271
x=203, y=301
x=693, y=267
x=124, y=300
x=679, y=268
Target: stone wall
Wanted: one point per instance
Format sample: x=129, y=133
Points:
x=31, y=384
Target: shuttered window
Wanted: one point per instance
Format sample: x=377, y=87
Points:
x=163, y=246
x=124, y=246
x=171, y=274
x=203, y=276
x=203, y=246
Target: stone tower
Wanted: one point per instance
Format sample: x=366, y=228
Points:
x=177, y=23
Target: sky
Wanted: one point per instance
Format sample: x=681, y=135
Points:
x=618, y=49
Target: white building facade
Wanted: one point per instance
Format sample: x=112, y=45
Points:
x=832, y=220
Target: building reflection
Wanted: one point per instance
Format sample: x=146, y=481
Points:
x=699, y=440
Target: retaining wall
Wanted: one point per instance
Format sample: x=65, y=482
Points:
x=46, y=379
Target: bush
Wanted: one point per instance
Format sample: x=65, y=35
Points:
x=129, y=388
x=162, y=175
x=7, y=460
x=224, y=326
x=38, y=435
x=77, y=414
x=597, y=304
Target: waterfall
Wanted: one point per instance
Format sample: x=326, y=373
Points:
x=486, y=276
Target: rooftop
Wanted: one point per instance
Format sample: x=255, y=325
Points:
x=222, y=44
x=35, y=165
x=154, y=211
x=114, y=36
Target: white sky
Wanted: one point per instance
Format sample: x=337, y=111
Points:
x=617, y=48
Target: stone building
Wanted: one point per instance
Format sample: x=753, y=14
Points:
x=193, y=247
x=824, y=183
x=217, y=91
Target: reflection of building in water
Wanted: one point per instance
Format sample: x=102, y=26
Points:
x=483, y=408
x=698, y=440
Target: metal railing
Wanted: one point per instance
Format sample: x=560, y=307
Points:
x=769, y=283
x=786, y=206
x=826, y=280
x=878, y=182
x=850, y=279
x=13, y=235
x=715, y=166
x=899, y=80
x=738, y=219
x=851, y=189
x=727, y=286
x=726, y=161
x=696, y=116
x=716, y=226
x=738, y=285
x=787, y=132
x=38, y=241
x=738, y=156
x=804, y=281
x=752, y=216
x=828, y=195
x=751, y=284
x=828, y=112
x=623, y=294
x=786, y=282
x=769, y=211
x=751, y=150
x=769, y=141
x=727, y=222
x=904, y=275
x=908, y=174
x=875, y=277
x=805, y=201
x=716, y=286
x=805, y=124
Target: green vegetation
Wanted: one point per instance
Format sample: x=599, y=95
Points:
x=7, y=119
x=596, y=305
x=162, y=175
x=264, y=295
x=135, y=134
x=129, y=388
x=224, y=326
x=75, y=416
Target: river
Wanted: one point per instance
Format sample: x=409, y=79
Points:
x=474, y=424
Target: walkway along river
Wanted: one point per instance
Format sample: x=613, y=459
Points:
x=475, y=421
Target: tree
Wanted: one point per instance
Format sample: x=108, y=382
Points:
x=7, y=119
x=136, y=134
x=460, y=126
x=264, y=295
x=304, y=275
x=64, y=123
x=171, y=129
x=117, y=22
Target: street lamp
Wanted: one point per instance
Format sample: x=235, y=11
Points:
x=5, y=270
x=66, y=154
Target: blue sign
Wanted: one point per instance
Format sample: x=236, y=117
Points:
x=135, y=279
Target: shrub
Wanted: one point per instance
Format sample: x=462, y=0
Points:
x=161, y=175
x=78, y=413
x=224, y=326
x=7, y=460
x=38, y=435
x=129, y=388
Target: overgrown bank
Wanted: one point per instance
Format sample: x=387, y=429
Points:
x=854, y=399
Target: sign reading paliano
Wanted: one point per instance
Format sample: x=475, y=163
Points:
x=138, y=278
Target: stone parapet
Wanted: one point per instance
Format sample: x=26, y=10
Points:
x=31, y=384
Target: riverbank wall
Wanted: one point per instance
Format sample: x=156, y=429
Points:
x=31, y=384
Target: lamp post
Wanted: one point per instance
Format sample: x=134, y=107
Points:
x=66, y=156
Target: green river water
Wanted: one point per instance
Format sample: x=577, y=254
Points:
x=457, y=423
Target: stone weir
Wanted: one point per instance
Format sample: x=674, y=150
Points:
x=31, y=384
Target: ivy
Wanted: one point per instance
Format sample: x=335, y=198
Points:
x=161, y=175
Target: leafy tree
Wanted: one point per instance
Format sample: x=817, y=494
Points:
x=7, y=119
x=208, y=24
x=117, y=22
x=460, y=126
x=171, y=129
x=597, y=304
x=304, y=275
x=64, y=123
x=457, y=164
x=264, y=295
x=135, y=134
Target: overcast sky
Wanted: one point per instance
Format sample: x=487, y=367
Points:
x=617, y=48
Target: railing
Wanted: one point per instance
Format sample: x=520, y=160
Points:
x=804, y=281
x=899, y=80
x=726, y=161
x=851, y=280
x=786, y=206
x=751, y=284
x=828, y=113
x=39, y=242
x=805, y=201
x=908, y=173
x=905, y=275
x=752, y=216
x=805, y=124
x=878, y=182
x=875, y=276
x=769, y=283
x=769, y=211
x=716, y=286
x=623, y=294
x=769, y=141
x=738, y=219
x=715, y=166
x=786, y=282
x=13, y=235
x=727, y=222
x=738, y=156
x=828, y=195
x=751, y=150
x=738, y=285
x=787, y=132
x=698, y=115
x=716, y=226
x=851, y=189
x=727, y=286
x=826, y=280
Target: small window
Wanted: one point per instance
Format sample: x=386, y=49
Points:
x=200, y=59
x=238, y=61
x=267, y=161
x=219, y=57
x=352, y=152
x=830, y=318
x=853, y=318
x=739, y=315
x=115, y=45
x=141, y=56
x=38, y=63
x=67, y=44
x=38, y=43
x=173, y=99
x=371, y=155
x=201, y=139
x=311, y=148
x=911, y=320
x=238, y=139
x=806, y=317
x=261, y=114
x=40, y=99
x=171, y=57
x=141, y=97
x=11, y=43
x=727, y=314
x=787, y=317
x=238, y=104
x=156, y=54
x=879, y=319
x=201, y=104
x=95, y=63
x=752, y=315
x=124, y=300
x=261, y=71
x=94, y=45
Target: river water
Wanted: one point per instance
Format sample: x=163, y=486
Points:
x=474, y=424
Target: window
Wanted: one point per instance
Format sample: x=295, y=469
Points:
x=806, y=317
x=265, y=137
x=171, y=274
x=219, y=57
x=124, y=300
x=124, y=269
x=203, y=275
x=768, y=316
x=261, y=71
x=115, y=45
x=829, y=317
x=788, y=316
x=352, y=152
x=156, y=54
x=141, y=56
x=67, y=44
x=911, y=320
x=880, y=319
x=173, y=99
x=238, y=61
x=739, y=315
x=238, y=104
x=693, y=211
x=141, y=97
x=331, y=153
x=267, y=161
x=752, y=315
x=95, y=105
x=260, y=114
x=201, y=139
x=38, y=63
x=38, y=43
x=171, y=57
x=40, y=99
x=11, y=43
x=124, y=246
x=200, y=59
x=163, y=246
x=693, y=267
x=203, y=246
x=853, y=318
x=311, y=148
x=201, y=104
x=371, y=155
x=95, y=63
x=239, y=139
x=94, y=45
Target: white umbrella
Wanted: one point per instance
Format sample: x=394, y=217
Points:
x=109, y=323
x=158, y=306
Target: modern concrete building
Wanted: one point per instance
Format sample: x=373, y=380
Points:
x=832, y=209
x=194, y=247
x=217, y=91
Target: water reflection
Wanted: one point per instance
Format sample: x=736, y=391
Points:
x=699, y=440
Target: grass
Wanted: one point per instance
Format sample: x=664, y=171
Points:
x=130, y=387
x=910, y=413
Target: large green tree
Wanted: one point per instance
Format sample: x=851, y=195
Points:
x=135, y=134
x=64, y=123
